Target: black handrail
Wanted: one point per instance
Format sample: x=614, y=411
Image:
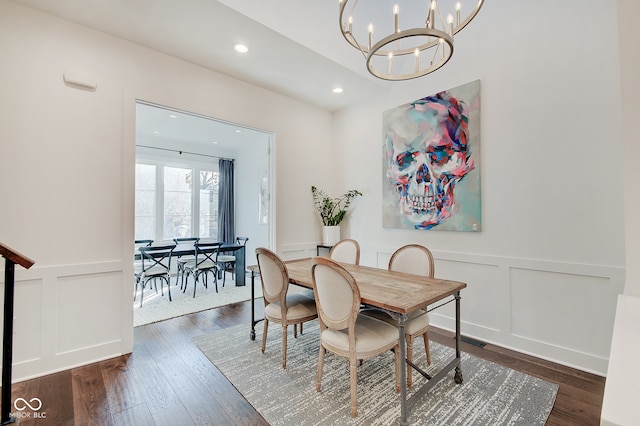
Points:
x=12, y=258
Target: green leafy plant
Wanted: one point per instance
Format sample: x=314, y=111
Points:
x=332, y=210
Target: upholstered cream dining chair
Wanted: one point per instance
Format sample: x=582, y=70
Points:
x=279, y=306
x=346, y=251
x=343, y=331
x=418, y=260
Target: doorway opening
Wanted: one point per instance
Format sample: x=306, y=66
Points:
x=177, y=157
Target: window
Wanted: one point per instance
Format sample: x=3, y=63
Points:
x=145, y=201
x=169, y=205
x=208, y=204
x=178, y=202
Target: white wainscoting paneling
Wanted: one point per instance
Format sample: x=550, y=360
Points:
x=65, y=316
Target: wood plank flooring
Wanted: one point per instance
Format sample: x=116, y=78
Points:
x=168, y=381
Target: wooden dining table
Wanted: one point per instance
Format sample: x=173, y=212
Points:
x=399, y=294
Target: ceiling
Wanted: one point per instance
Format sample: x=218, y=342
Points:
x=295, y=46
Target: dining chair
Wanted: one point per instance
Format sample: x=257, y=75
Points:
x=418, y=260
x=228, y=262
x=205, y=261
x=346, y=251
x=156, y=265
x=343, y=330
x=182, y=260
x=137, y=260
x=280, y=307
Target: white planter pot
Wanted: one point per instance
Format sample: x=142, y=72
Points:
x=330, y=235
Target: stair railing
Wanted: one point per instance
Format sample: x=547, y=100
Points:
x=12, y=258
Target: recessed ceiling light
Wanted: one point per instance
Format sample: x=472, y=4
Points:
x=173, y=116
x=241, y=48
x=238, y=131
x=337, y=90
x=157, y=132
x=214, y=142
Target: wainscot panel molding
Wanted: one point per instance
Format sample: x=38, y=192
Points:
x=55, y=310
x=537, y=307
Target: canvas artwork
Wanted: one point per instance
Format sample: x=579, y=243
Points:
x=431, y=162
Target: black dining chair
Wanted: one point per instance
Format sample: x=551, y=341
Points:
x=228, y=262
x=137, y=259
x=205, y=261
x=182, y=260
x=156, y=265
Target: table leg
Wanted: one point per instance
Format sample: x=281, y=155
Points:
x=241, y=265
x=458, y=374
x=402, y=320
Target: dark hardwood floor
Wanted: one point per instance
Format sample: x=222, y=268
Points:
x=168, y=381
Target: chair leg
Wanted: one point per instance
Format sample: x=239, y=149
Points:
x=142, y=293
x=295, y=330
x=353, y=382
x=320, y=365
x=195, y=282
x=398, y=363
x=426, y=346
x=284, y=346
x=264, y=334
x=410, y=358
x=224, y=275
x=169, y=287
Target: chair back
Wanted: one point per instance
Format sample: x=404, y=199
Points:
x=137, y=244
x=336, y=293
x=157, y=257
x=413, y=259
x=346, y=251
x=142, y=243
x=273, y=275
x=206, y=253
x=242, y=240
x=192, y=240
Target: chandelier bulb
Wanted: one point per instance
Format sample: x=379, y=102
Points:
x=396, y=11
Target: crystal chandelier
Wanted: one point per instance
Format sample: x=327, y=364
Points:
x=426, y=44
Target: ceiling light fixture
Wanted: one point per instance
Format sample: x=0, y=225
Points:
x=173, y=116
x=424, y=47
x=241, y=48
x=337, y=90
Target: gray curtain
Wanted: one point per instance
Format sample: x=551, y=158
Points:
x=226, y=202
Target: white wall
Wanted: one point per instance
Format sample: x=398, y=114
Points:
x=67, y=167
x=544, y=272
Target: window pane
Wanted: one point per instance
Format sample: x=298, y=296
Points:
x=208, y=204
x=177, y=202
x=145, y=204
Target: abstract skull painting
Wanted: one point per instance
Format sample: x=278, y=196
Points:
x=431, y=162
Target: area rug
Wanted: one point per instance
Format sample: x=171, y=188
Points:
x=489, y=395
x=157, y=307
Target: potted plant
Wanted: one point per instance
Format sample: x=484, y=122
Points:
x=332, y=212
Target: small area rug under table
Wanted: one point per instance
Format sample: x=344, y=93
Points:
x=489, y=395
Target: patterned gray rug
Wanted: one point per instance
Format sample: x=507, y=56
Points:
x=490, y=394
